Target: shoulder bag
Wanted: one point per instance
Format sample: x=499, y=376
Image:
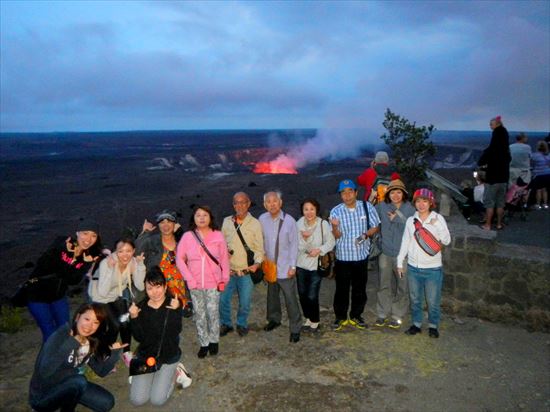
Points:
x=269, y=267
x=257, y=276
x=425, y=239
x=375, y=247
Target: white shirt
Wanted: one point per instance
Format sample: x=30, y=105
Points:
x=410, y=249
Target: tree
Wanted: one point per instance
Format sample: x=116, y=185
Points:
x=410, y=146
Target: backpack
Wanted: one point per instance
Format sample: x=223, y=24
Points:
x=380, y=185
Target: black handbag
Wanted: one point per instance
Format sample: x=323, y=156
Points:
x=257, y=276
x=49, y=284
x=140, y=365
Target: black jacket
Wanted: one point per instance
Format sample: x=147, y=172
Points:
x=57, y=260
x=497, y=157
x=150, y=244
x=147, y=330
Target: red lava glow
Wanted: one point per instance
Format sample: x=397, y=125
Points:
x=281, y=165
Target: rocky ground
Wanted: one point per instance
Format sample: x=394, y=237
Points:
x=474, y=366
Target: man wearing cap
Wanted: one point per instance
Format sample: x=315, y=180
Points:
x=379, y=172
x=281, y=247
x=245, y=258
x=391, y=306
x=353, y=224
x=159, y=249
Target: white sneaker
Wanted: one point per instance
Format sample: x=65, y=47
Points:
x=182, y=376
x=127, y=358
x=545, y=206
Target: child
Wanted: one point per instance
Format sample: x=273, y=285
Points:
x=424, y=268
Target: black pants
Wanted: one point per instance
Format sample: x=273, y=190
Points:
x=113, y=326
x=352, y=275
x=309, y=283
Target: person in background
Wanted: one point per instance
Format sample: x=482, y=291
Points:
x=58, y=380
x=424, y=272
x=64, y=263
x=352, y=229
x=496, y=160
x=281, y=247
x=203, y=259
x=156, y=325
x=393, y=213
x=118, y=274
x=315, y=239
x=380, y=172
x=159, y=249
x=241, y=264
x=541, y=172
x=520, y=166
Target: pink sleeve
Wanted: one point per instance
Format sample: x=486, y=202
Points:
x=224, y=259
x=180, y=263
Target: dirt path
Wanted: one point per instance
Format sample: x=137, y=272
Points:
x=475, y=366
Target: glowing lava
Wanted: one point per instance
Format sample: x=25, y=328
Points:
x=281, y=165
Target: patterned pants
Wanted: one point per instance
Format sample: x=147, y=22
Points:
x=206, y=313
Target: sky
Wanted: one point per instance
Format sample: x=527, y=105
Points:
x=158, y=65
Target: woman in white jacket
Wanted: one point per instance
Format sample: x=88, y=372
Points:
x=315, y=239
x=118, y=273
x=424, y=264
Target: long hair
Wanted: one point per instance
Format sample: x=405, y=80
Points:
x=101, y=315
x=212, y=225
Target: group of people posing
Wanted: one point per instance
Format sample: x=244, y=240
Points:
x=144, y=288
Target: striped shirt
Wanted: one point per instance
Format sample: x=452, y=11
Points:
x=353, y=223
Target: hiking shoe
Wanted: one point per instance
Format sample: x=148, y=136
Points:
x=183, y=377
x=394, y=324
x=213, y=348
x=127, y=358
x=380, y=322
x=224, y=330
x=413, y=330
x=339, y=324
x=242, y=331
x=358, y=322
x=271, y=325
x=433, y=333
x=294, y=338
x=203, y=351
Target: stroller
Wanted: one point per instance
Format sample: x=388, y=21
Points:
x=516, y=199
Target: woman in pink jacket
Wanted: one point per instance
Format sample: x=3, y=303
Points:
x=203, y=260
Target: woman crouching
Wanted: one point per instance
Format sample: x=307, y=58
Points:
x=156, y=325
x=58, y=380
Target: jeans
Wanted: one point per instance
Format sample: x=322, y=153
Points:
x=72, y=391
x=244, y=287
x=309, y=284
x=50, y=316
x=155, y=387
x=425, y=283
x=350, y=275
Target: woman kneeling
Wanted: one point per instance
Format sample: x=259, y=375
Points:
x=156, y=325
x=58, y=380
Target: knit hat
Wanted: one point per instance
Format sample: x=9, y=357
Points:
x=344, y=184
x=381, y=157
x=396, y=184
x=87, y=225
x=166, y=214
x=424, y=194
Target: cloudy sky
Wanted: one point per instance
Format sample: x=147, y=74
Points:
x=84, y=66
